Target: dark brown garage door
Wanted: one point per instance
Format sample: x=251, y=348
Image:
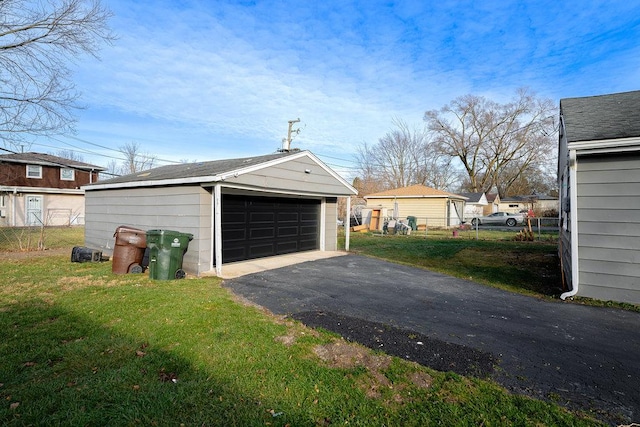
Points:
x=256, y=227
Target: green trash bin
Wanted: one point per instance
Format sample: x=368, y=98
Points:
x=166, y=251
x=413, y=222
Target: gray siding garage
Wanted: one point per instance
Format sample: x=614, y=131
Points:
x=599, y=181
x=237, y=209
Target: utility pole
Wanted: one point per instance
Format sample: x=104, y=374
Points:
x=286, y=142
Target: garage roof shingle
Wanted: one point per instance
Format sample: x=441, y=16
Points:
x=193, y=170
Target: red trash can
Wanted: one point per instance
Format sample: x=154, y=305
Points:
x=128, y=250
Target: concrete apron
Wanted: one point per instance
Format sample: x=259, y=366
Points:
x=241, y=268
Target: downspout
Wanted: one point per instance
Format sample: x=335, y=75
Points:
x=13, y=206
x=323, y=223
x=217, y=227
x=347, y=224
x=573, y=213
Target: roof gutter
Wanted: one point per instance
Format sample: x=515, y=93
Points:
x=573, y=200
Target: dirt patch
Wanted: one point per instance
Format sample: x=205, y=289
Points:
x=341, y=354
x=376, y=385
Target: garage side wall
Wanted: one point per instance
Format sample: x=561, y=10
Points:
x=609, y=227
x=331, y=224
x=291, y=176
x=185, y=209
x=430, y=211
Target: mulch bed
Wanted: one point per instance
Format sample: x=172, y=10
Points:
x=409, y=345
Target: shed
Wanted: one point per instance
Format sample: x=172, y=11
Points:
x=599, y=180
x=475, y=204
x=539, y=203
x=431, y=207
x=493, y=204
x=237, y=209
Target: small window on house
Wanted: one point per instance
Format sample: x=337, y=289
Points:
x=514, y=206
x=3, y=201
x=34, y=171
x=67, y=174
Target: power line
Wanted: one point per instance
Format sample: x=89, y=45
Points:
x=116, y=150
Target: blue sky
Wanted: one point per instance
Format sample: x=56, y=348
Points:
x=207, y=80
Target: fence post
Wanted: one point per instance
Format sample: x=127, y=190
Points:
x=539, y=229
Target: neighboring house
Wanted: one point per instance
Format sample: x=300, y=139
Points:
x=599, y=180
x=236, y=209
x=493, y=204
x=475, y=205
x=539, y=203
x=431, y=207
x=39, y=189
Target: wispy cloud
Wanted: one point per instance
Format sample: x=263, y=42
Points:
x=215, y=75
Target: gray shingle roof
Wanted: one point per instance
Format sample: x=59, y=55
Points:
x=595, y=118
x=472, y=197
x=47, y=160
x=192, y=170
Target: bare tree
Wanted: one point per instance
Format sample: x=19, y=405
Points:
x=69, y=155
x=402, y=157
x=135, y=161
x=38, y=41
x=496, y=143
x=113, y=170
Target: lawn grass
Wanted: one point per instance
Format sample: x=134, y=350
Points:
x=24, y=239
x=81, y=346
x=490, y=257
x=495, y=259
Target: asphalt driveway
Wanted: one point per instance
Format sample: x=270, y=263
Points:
x=581, y=357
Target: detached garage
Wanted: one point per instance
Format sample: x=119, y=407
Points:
x=237, y=209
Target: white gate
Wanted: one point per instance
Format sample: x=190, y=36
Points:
x=34, y=211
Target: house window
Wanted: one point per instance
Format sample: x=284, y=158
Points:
x=67, y=174
x=34, y=171
x=514, y=206
x=3, y=202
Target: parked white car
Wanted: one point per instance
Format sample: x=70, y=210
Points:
x=499, y=218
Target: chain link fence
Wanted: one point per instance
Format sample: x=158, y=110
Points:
x=536, y=228
x=40, y=238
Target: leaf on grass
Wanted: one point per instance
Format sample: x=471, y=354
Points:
x=29, y=364
x=166, y=377
x=140, y=353
x=14, y=405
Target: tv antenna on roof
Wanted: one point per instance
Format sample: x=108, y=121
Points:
x=286, y=142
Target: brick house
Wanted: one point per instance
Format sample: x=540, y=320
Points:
x=40, y=189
